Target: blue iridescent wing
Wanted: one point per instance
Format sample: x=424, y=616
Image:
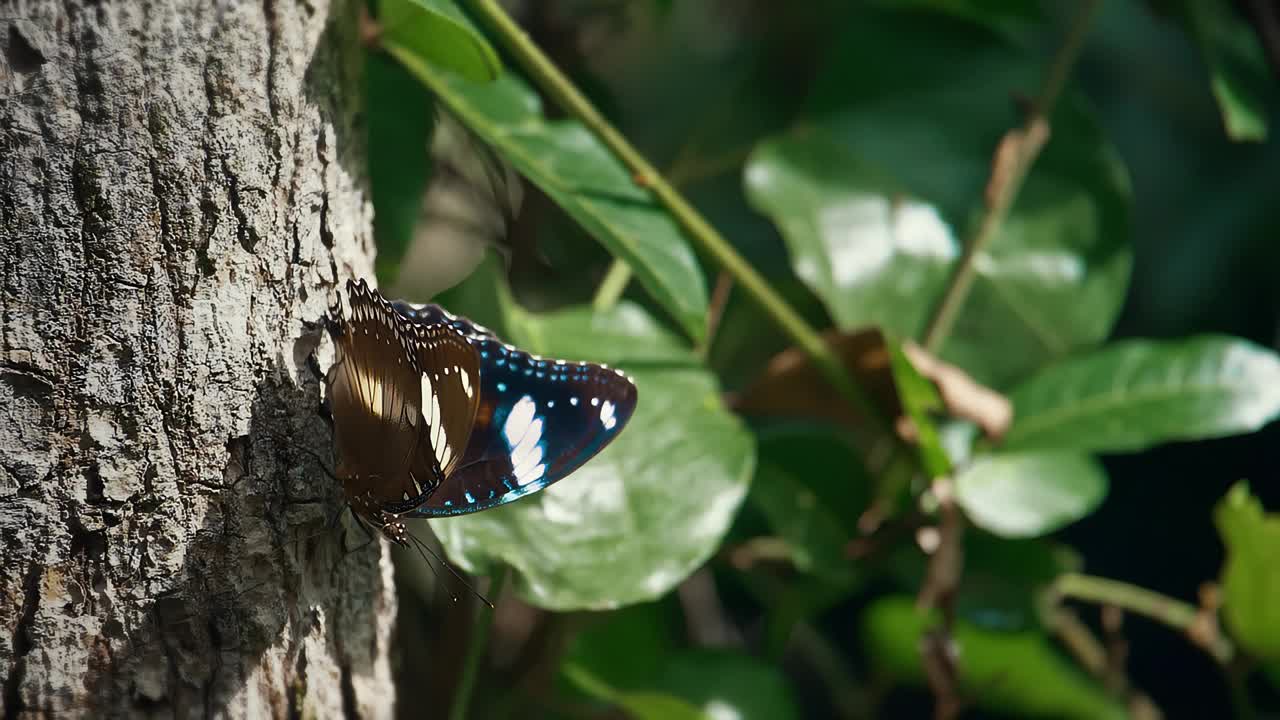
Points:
x=538, y=421
x=432, y=314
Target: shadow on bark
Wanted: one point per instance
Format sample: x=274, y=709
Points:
x=269, y=564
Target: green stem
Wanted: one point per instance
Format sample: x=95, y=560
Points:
x=1003, y=190
x=476, y=648
x=549, y=78
x=613, y=285
x=1141, y=601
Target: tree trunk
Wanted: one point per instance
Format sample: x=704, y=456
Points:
x=181, y=187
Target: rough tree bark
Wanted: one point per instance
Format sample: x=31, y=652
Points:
x=181, y=187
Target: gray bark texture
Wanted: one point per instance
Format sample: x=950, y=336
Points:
x=181, y=188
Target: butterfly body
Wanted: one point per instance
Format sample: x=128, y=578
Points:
x=434, y=416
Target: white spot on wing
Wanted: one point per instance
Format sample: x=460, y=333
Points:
x=466, y=381
x=523, y=433
x=606, y=415
x=435, y=422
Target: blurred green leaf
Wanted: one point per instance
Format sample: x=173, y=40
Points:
x=727, y=684
x=437, y=32
x=627, y=647
x=1251, y=578
x=1014, y=673
x=705, y=684
x=824, y=458
x=1238, y=71
x=1135, y=394
x=868, y=251
x=1272, y=671
x=399, y=115
x=812, y=533
x=638, y=705
x=652, y=507
x=576, y=171
x=1027, y=494
x=1009, y=16
x=1003, y=579
x=896, y=157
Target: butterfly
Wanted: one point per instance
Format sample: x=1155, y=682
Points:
x=434, y=416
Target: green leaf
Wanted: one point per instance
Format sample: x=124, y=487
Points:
x=400, y=120
x=1018, y=674
x=639, y=705
x=1009, y=16
x=1020, y=495
x=1003, y=579
x=824, y=459
x=1272, y=672
x=580, y=175
x=812, y=533
x=1251, y=578
x=1135, y=394
x=1238, y=71
x=704, y=684
x=653, y=506
x=438, y=33
x=727, y=684
x=628, y=647
x=869, y=195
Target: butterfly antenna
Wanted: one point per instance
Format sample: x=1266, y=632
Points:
x=417, y=545
x=423, y=546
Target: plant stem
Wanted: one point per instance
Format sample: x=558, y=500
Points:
x=1008, y=173
x=613, y=285
x=1148, y=603
x=549, y=78
x=477, y=647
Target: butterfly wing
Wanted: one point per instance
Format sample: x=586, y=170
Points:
x=538, y=421
x=403, y=396
x=432, y=314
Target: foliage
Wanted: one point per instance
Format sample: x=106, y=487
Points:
x=857, y=166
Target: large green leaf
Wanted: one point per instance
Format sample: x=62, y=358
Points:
x=1251, y=578
x=400, y=120
x=1137, y=393
x=653, y=506
x=437, y=32
x=1014, y=673
x=638, y=705
x=871, y=194
x=627, y=648
x=1238, y=71
x=727, y=684
x=1019, y=495
x=579, y=173
x=703, y=684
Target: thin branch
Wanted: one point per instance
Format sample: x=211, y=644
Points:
x=1011, y=163
x=715, y=311
x=549, y=78
x=1150, y=604
x=611, y=288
